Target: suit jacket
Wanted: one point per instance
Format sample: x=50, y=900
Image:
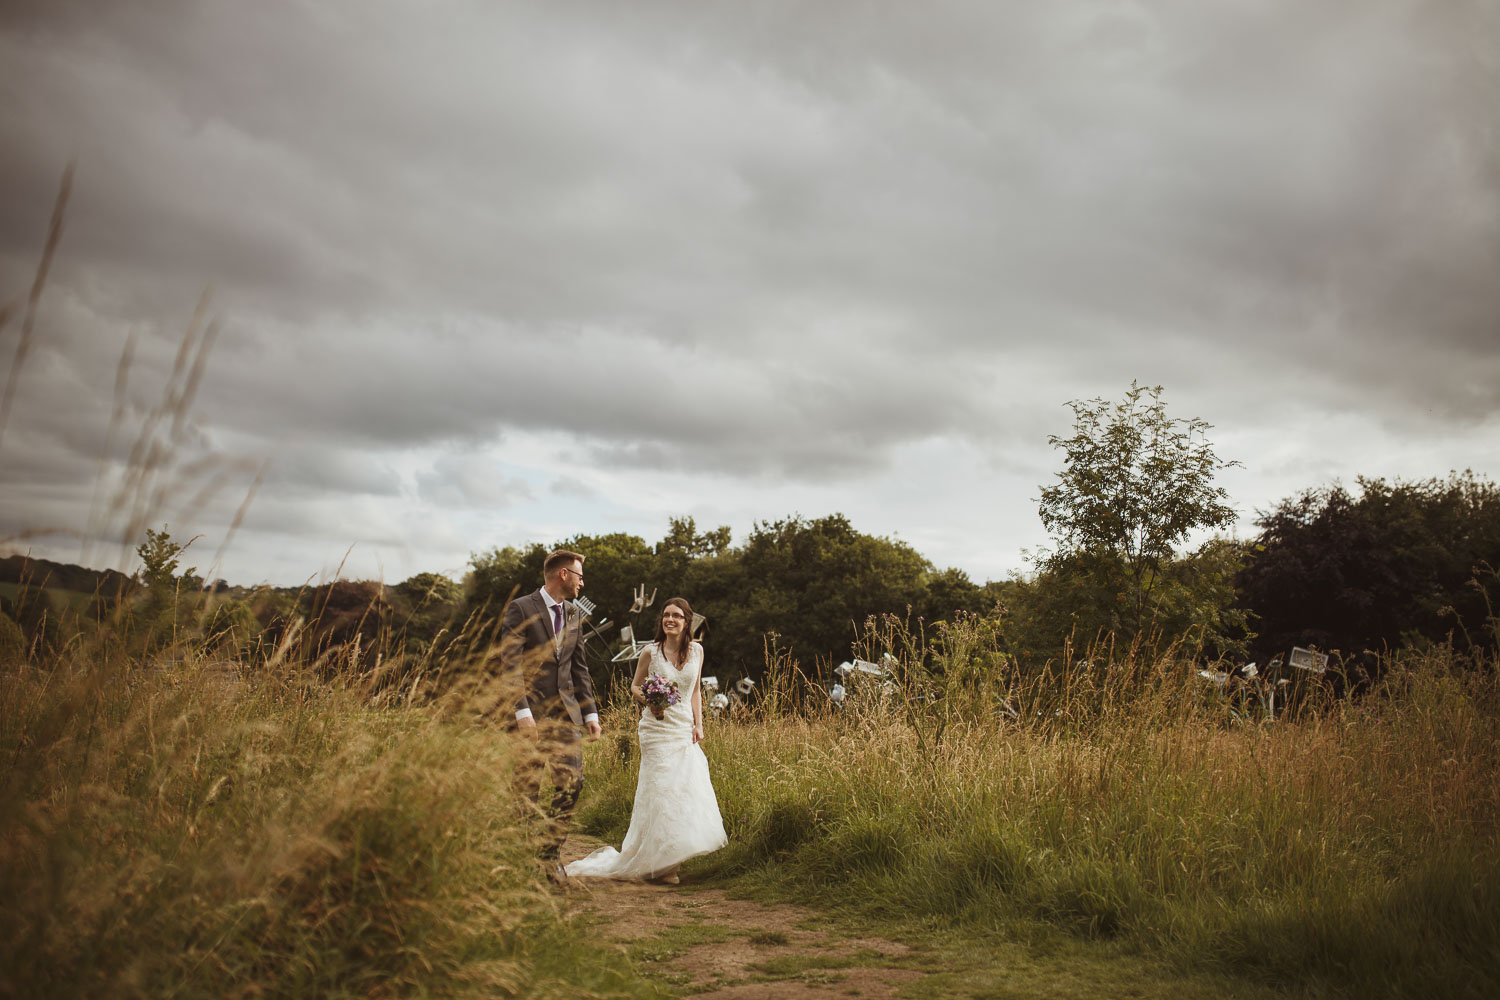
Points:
x=553, y=676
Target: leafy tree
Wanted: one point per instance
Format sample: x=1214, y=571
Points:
x=1134, y=484
x=423, y=606
x=29, y=570
x=682, y=547
x=500, y=574
x=950, y=591
x=273, y=607
x=683, y=537
x=1074, y=597
x=613, y=565
x=426, y=589
x=1390, y=564
x=340, y=612
x=1196, y=599
x=160, y=556
x=813, y=582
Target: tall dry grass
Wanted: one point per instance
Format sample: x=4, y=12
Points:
x=252, y=818
x=1351, y=846
x=190, y=827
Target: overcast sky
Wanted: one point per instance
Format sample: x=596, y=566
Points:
x=487, y=273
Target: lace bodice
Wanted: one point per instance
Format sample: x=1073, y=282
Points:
x=685, y=677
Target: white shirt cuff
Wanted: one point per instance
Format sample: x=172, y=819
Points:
x=523, y=713
x=591, y=717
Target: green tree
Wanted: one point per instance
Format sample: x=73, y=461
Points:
x=426, y=589
x=613, y=565
x=424, y=605
x=502, y=573
x=683, y=537
x=950, y=591
x=687, y=563
x=341, y=612
x=160, y=556
x=1387, y=564
x=1134, y=484
x=813, y=583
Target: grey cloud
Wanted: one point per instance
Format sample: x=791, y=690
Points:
x=317, y=471
x=840, y=235
x=470, y=481
x=573, y=488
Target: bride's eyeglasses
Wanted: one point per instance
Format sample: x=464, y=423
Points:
x=674, y=615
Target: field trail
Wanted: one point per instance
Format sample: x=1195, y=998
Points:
x=699, y=943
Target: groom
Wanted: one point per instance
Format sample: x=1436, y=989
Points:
x=542, y=659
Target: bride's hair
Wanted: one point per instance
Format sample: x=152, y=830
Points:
x=687, y=626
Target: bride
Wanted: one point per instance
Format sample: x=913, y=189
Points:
x=675, y=816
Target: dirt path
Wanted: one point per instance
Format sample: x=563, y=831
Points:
x=700, y=943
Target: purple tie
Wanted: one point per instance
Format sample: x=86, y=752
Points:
x=557, y=619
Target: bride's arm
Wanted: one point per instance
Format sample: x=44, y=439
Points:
x=697, y=701
x=642, y=666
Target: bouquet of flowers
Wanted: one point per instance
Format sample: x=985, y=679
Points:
x=660, y=693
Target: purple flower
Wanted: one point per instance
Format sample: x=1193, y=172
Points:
x=660, y=692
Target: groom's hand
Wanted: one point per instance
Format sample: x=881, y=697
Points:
x=593, y=727
x=527, y=726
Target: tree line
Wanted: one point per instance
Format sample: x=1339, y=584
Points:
x=1136, y=559
x=1354, y=573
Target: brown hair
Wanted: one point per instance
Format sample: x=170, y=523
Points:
x=559, y=559
x=687, y=627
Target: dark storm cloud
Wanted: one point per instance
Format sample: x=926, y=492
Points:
x=793, y=244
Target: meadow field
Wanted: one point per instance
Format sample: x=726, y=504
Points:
x=189, y=827
x=1347, y=848
x=184, y=825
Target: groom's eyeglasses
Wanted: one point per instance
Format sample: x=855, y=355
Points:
x=576, y=574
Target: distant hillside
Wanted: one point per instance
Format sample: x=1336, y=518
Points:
x=62, y=576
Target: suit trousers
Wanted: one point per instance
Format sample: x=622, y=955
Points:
x=552, y=777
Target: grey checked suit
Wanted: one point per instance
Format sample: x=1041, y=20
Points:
x=553, y=675
x=550, y=677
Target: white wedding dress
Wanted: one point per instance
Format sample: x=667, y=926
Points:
x=675, y=816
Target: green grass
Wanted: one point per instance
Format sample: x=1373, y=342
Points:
x=676, y=939
x=768, y=937
x=1059, y=966
x=171, y=829
x=1353, y=849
